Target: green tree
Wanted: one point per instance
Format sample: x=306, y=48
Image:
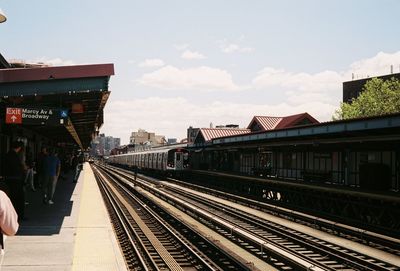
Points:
x=379, y=97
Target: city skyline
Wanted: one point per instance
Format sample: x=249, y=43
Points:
x=179, y=65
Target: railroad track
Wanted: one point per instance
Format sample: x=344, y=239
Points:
x=361, y=236
x=157, y=241
x=327, y=255
x=260, y=236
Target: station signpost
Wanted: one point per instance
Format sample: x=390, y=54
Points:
x=36, y=116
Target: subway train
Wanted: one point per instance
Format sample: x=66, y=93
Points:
x=162, y=160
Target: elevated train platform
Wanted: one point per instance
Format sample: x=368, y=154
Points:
x=73, y=234
x=61, y=109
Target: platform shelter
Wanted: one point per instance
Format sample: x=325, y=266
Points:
x=52, y=106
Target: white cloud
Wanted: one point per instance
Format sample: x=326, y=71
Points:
x=325, y=81
x=187, y=54
x=181, y=47
x=374, y=66
x=302, y=87
x=151, y=63
x=173, y=123
x=232, y=48
x=199, y=78
x=323, y=86
x=316, y=93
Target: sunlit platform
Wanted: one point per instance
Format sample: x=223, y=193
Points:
x=73, y=234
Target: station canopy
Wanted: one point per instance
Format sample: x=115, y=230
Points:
x=79, y=93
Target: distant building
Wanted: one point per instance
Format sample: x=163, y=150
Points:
x=352, y=89
x=102, y=145
x=172, y=141
x=192, y=133
x=19, y=63
x=142, y=137
x=233, y=126
x=123, y=149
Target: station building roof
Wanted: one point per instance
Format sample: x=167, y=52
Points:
x=207, y=134
x=264, y=123
x=83, y=90
x=377, y=128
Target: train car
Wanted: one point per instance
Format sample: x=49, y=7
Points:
x=164, y=159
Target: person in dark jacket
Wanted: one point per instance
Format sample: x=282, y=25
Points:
x=52, y=168
x=15, y=176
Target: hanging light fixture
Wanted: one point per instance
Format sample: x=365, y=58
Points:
x=3, y=17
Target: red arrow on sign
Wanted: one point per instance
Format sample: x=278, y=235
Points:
x=13, y=115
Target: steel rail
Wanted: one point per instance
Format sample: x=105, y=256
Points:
x=142, y=264
x=388, y=243
x=150, y=242
x=172, y=232
x=282, y=253
x=202, y=261
x=356, y=260
x=340, y=254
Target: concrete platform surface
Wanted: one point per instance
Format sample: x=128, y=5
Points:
x=74, y=233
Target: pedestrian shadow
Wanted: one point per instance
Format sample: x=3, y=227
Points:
x=45, y=219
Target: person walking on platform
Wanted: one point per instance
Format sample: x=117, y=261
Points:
x=77, y=164
x=15, y=175
x=52, y=167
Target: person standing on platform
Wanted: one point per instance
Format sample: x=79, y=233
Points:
x=52, y=167
x=15, y=176
x=75, y=167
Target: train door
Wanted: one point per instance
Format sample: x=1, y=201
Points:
x=146, y=160
x=178, y=160
x=155, y=161
x=164, y=161
x=159, y=161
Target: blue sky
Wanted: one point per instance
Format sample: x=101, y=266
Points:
x=190, y=63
